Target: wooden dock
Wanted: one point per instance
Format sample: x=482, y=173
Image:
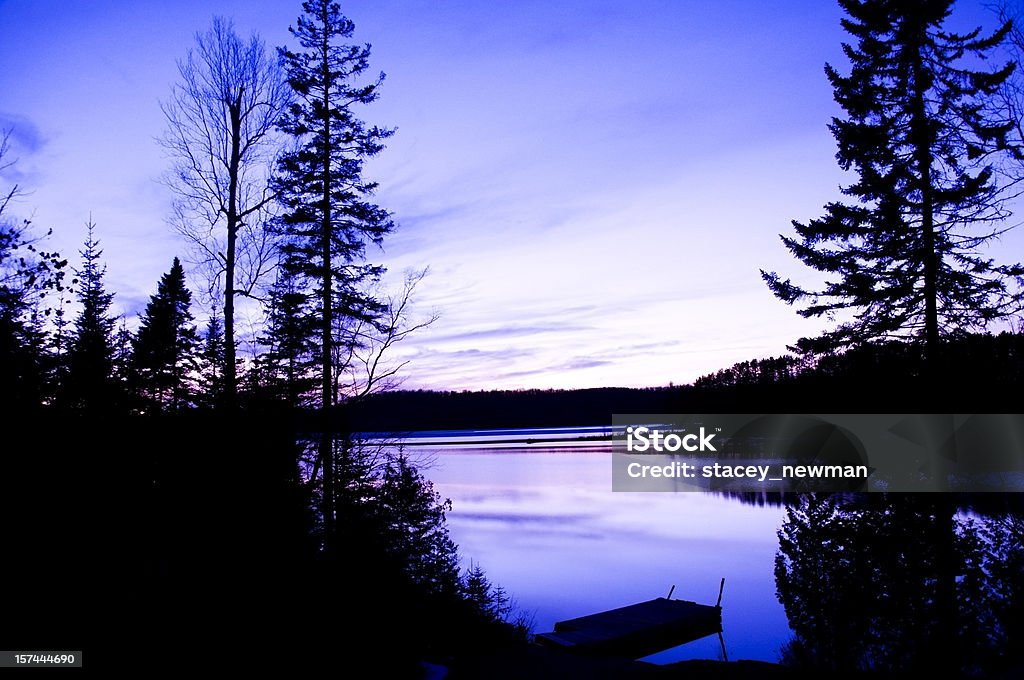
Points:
x=636, y=630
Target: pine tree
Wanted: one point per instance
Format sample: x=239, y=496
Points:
x=414, y=530
x=60, y=340
x=489, y=599
x=27, y=371
x=904, y=257
x=164, y=358
x=123, y=341
x=212, y=362
x=27, y=275
x=90, y=382
x=24, y=358
x=327, y=215
x=290, y=361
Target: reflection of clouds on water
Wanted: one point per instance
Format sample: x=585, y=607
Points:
x=546, y=526
x=521, y=518
x=533, y=532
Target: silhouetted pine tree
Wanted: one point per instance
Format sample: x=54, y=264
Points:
x=212, y=362
x=490, y=600
x=18, y=374
x=289, y=364
x=327, y=216
x=903, y=257
x=414, y=528
x=60, y=340
x=90, y=382
x=123, y=341
x=164, y=358
x=31, y=364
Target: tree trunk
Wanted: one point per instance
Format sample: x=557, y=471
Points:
x=944, y=657
x=327, y=438
x=923, y=158
x=230, y=371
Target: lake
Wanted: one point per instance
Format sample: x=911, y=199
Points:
x=535, y=509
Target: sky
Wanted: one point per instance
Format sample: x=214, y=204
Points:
x=594, y=186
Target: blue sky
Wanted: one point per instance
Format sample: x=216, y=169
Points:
x=594, y=185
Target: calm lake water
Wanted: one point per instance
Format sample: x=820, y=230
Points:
x=541, y=519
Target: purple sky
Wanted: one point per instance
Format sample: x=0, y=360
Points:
x=594, y=185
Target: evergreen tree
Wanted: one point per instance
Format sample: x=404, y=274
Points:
x=290, y=361
x=27, y=274
x=212, y=361
x=904, y=257
x=123, y=340
x=90, y=382
x=413, y=528
x=21, y=377
x=26, y=366
x=60, y=340
x=164, y=358
x=327, y=215
x=489, y=599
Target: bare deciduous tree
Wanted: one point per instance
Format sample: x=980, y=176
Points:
x=221, y=119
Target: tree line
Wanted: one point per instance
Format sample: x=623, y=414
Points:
x=981, y=369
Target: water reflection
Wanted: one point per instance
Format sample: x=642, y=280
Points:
x=900, y=583
x=545, y=525
x=836, y=582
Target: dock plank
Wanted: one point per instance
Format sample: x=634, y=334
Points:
x=636, y=630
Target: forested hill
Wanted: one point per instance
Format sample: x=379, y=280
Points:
x=428, y=410
x=982, y=373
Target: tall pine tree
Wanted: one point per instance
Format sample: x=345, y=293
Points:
x=905, y=256
x=328, y=216
x=164, y=359
x=328, y=213
x=90, y=380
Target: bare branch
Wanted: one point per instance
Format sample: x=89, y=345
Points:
x=367, y=365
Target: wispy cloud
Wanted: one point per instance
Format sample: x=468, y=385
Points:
x=25, y=136
x=24, y=141
x=506, y=332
